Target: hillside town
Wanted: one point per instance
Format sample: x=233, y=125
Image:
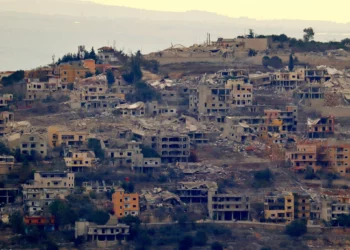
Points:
x=201, y=147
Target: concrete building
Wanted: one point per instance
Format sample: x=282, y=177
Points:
x=125, y=204
x=107, y=55
x=302, y=206
x=126, y=154
x=196, y=192
x=5, y=100
x=103, y=236
x=8, y=195
x=33, y=142
x=279, y=207
x=329, y=156
x=288, y=80
x=321, y=128
x=45, y=188
x=228, y=207
x=173, y=148
x=73, y=71
x=7, y=164
x=241, y=91
x=62, y=136
x=155, y=108
x=80, y=160
x=260, y=79
x=98, y=187
x=316, y=75
x=136, y=109
x=5, y=118
x=311, y=95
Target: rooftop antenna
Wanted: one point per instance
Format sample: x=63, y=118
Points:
x=53, y=59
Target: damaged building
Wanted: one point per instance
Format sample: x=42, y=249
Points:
x=321, y=128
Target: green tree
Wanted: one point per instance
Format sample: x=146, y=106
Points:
x=216, y=246
x=110, y=77
x=95, y=145
x=100, y=217
x=291, y=63
x=143, y=93
x=251, y=34
x=128, y=187
x=308, y=34
x=51, y=246
x=4, y=150
x=63, y=214
x=276, y=62
x=200, y=239
x=16, y=223
x=265, y=61
x=296, y=228
x=92, y=54
x=13, y=78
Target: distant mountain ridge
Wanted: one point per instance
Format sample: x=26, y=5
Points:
x=30, y=35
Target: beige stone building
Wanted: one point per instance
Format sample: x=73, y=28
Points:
x=80, y=160
x=5, y=100
x=63, y=136
x=39, y=193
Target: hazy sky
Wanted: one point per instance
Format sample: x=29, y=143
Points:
x=335, y=10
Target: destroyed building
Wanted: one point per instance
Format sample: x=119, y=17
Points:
x=5, y=118
x=320, y=128
x=279, y=207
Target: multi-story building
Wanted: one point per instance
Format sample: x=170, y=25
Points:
x=241, y=92
x=311, y=95
x=320, y=128
x=302, y=206
x=70, y=72
x=228, y=207
x=196, y=192
x=316, y=75
x=104, y=236
x=62, y=136
x=279, y=207
x=107, y=55
x=33, y=142
x=281, y=121
x=126, y=154
x=125, y=204
x=5, y=100
x=288, y=79
x=5, y=119
x=98, y=187
x=221, y=99
x=80, y=160
x=330, y=156
x=45, y=188
x=7, y=164
x=173, y=147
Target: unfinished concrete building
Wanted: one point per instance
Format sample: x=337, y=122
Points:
x=258, y=80
x=281, y=121
x=63, y=136
x=173, y=147
x=288, y=80
x=196, y=192
x=311, y=95
x=228, y=207
x=316, y=75
x=279, y=207
x=45, y=188
x=126, y=154
x=104, y=236
x=320, y=128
